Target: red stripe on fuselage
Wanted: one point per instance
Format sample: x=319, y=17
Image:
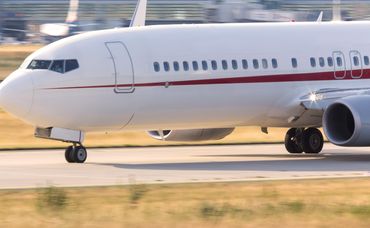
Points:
x=318, y=76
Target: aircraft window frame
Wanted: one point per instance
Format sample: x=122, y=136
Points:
x=322, y=62
x=313, y=62
x=234, y=64
x=330, y=61
x=225, y=65
x=44, y=66
x=176, y=66
x=214, y=65
x=166, y=66
x=61, y=68
x=156, y=67
x=265, y=64
x=185, y=65
x=356, y=61
x=204, y=65
x=294, y=62
x=256, y=64
x=339, y=61
x=366, y=60
x=70, y=67
x=245, y=64
x=274, y=63
x=195, y=66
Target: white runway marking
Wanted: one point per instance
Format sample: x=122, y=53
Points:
x=28, y=169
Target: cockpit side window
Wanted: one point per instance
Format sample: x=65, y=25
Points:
x=71, y=64
x=39, y=65
x=57, y=66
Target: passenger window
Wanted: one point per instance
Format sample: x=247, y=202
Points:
x=71, y=64
x=166, y=66
x=214, y=64
x=313, y=62
x=39, y=65
x=294, y=63
x=330, y=61
x=274, y=63
x=195, y=66
x=366, y=60
x=234, y=63
x=156, y=66
x=339, y=62
x=176, y=66
x=265, y=64
x=185, y=65
x=245, y=64
x=322, y=61
x=57, y=66
x=256, y=64
x=224, y=64
x=356, y=61
x=204, y=65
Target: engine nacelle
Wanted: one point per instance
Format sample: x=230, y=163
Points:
x=195, y=135
x=347, y=121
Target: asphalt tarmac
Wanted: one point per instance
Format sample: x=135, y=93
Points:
x=104, y=167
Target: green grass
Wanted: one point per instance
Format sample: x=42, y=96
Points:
x=308, y=203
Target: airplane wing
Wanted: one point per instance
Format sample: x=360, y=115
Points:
x=321, y=99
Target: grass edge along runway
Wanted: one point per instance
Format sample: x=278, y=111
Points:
x=305, y=203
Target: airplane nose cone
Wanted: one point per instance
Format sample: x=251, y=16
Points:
x=16, y=94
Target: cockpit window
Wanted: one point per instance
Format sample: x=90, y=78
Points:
x=71, y=64
x=39, y=64
x=57, y=66
x=60, y=66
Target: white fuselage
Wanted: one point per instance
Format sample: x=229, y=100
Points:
x=117, y=87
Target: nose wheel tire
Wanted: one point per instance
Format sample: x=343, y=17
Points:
x=312, y=141
x=69, y=154
x=76, y=154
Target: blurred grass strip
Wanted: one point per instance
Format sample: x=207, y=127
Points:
x=306, y=203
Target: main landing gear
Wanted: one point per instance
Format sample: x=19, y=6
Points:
x=299, y=140
x=76, y=154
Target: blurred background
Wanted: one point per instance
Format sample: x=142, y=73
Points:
x=20, y=20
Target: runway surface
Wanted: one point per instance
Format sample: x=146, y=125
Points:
x=28, y=169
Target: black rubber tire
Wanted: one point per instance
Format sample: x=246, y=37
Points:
x=79, y=154
x=291, y=144
x=68, y=154
x=312, y=141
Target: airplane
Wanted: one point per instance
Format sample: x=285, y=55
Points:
x=199, y=82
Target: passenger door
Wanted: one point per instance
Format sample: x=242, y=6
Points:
x=122, y=67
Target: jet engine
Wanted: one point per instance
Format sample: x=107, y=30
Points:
x=346, y=122
x=191, y=135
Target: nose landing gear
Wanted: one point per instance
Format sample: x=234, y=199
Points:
x=75, y=154
x=299, y=140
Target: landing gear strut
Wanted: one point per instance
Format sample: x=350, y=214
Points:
x=299, y=140
x=75, y=154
